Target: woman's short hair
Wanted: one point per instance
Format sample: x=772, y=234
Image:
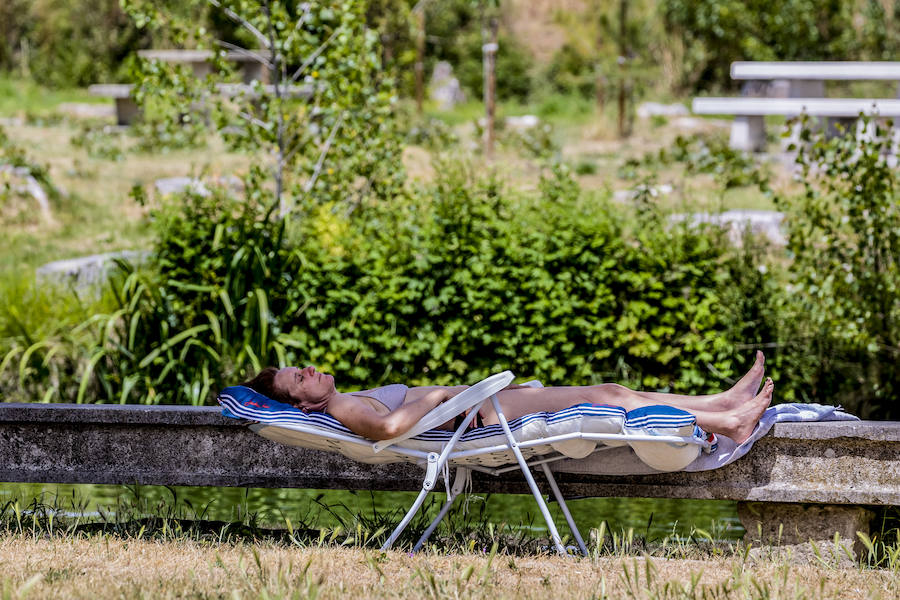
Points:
x=264, y=383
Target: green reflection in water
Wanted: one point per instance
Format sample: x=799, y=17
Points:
x=654, y=518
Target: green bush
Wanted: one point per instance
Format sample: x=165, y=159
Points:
x=571, y=71
x=709, y=154
x=449, y=283
x=842, y=337
x=466, y=279
x=79, y=42
x=715, y=32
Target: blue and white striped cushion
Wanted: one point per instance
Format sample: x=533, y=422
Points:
x=275, y=420
x=663, y=420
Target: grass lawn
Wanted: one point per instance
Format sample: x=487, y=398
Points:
x=105, y=566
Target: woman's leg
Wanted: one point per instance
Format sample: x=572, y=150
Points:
x=522, y=401
x=741, y=392
x=733, y=413
x=736, y=423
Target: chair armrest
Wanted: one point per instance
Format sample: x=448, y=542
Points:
x=448, y=410
x=534, y=383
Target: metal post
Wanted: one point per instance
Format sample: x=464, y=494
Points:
x=565, y=509
x=514, y=446
x=420, y=56
x=462, y=475
x=489, y=52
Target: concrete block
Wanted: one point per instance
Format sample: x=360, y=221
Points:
x=653, y=109
x=748, y=133
x=87, y=271
x=807, y=529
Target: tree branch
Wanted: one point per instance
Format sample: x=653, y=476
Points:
x=313, y=56
x=312, y=180
x=243, y=22
x=244, y=52
x=253, y=120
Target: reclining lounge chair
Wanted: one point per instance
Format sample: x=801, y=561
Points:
x=665, y=438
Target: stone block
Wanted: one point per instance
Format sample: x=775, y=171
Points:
x=87, y=271
x=748, y=133
x=761, y=222
x=805, y=530
x=444, y=88
x=655, y=109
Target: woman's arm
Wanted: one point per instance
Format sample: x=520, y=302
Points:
x=363, y=420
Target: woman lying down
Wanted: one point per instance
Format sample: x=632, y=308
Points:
x=386, y=412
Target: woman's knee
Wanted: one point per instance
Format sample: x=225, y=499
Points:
x=608, y=393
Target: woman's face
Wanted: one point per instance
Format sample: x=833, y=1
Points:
x=304, y=385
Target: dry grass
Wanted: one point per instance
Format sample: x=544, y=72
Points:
x=113, y=567
x=96, y=213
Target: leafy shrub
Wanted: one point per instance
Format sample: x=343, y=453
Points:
x=844, y=233
x=716, y=32
x=531, y=142
x=468, y=279
x=99, y=141
x=433, y=134
x=586, y=166
x=704, y=154
x=79, y=42
x=572, y=71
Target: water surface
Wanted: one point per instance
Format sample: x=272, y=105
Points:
x=653, y=518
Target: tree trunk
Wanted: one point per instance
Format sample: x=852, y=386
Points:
x=489, y=53
x=623, y=54
x=420, y=58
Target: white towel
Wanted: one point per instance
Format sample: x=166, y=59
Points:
x=729, y=452
x=622, y=461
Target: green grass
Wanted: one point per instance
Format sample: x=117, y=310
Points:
x=19, y=96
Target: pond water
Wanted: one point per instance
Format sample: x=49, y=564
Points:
x=653, y=518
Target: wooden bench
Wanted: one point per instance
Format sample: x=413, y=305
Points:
x=127, y=110
x=815, y=479
x=792, y=88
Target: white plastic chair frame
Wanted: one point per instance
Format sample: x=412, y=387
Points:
x=473, y=398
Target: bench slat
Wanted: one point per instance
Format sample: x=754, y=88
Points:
x=193, y=56
x=818, y=107
x=123, y=90
x=818, y=70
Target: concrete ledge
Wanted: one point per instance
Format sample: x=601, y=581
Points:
x=854, y=463
x=843, y=462
x=810, y=478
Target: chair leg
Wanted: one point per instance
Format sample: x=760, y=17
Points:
x=565, y=509
x=459, y=484
x=532, y=485
x=409, y=515
x=434, y=523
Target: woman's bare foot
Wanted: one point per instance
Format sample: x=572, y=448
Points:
x=740, y=422
x=746, y=388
